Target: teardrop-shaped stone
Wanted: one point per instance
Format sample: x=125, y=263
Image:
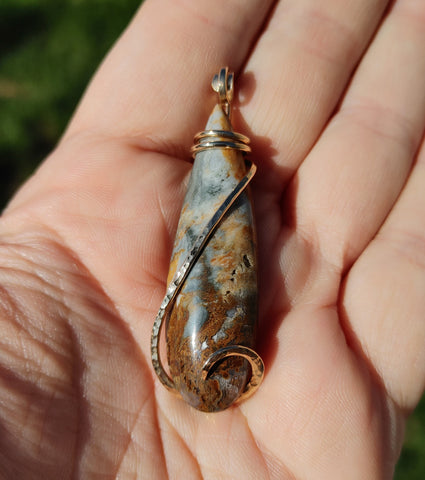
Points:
x=217, y=305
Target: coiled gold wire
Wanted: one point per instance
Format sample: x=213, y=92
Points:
x=223, y=139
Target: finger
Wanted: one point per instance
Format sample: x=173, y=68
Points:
x=390, y=278
x=154, y=85
x=301, y=66
x=351, y=179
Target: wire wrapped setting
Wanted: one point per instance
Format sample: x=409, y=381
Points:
x=175, y=286
x=206, y=140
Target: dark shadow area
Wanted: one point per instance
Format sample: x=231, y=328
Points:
x=18, y=24
x=266, y=190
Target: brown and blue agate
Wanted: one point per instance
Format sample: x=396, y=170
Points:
x=217, y=305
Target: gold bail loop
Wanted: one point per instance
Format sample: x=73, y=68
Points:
x=222, y=83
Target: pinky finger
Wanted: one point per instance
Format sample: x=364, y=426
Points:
x=388, y=325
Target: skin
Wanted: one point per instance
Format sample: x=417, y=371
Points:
x=332, y=95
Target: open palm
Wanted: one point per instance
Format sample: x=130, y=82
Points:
x=332, y=95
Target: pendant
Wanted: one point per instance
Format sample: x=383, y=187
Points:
x=210, y=307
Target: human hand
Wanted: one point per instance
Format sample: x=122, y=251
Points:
x=331, y=94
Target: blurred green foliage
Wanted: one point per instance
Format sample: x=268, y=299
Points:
x=49, y=49
x=411, y=465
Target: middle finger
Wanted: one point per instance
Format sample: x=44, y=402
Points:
x=302, y=64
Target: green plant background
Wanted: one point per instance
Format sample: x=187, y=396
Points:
x=49, y=49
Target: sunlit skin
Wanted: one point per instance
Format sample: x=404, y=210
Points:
x=332, y=95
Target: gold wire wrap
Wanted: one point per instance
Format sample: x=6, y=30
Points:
x=223, y=84
x=255, y=361
x=223, y=139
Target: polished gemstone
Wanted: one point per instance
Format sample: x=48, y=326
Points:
x=217, y=305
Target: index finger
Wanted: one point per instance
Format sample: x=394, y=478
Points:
x=153, y=87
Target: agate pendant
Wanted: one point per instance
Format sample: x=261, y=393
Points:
x=210, y=308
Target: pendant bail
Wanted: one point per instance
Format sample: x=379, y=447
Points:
x=222, y=83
